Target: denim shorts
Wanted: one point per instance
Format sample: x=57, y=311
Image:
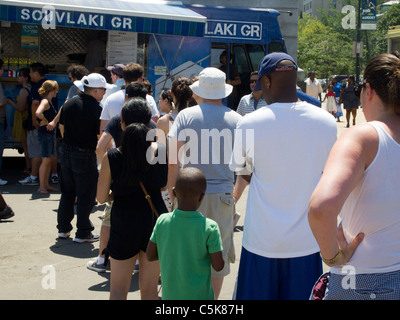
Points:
x=46, y=141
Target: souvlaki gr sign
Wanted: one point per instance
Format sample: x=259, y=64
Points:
x=75, y=19
x=233, y=29
x=50, y=18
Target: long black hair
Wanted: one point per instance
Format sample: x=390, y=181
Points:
x=133, y=148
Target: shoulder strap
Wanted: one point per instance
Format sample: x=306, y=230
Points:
x=148, y=198
x=170, y=117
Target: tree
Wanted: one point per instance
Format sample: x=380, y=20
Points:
x=390, y=18
x=322, y=49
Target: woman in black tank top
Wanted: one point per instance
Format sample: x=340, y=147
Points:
x=46, y=113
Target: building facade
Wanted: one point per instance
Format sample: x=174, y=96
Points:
x=313, y=6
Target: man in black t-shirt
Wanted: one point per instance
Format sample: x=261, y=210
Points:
x=80, y=125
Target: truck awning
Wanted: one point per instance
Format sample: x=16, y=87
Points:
x=150, y=16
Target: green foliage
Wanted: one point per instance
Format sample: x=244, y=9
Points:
x=391, y=18
x=323, y=49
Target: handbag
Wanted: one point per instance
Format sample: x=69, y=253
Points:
x=318, y=291
x=148, y=198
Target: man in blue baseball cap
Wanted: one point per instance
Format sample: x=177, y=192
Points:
x=283, y=162
x=272, y=63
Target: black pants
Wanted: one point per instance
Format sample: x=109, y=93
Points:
x=78, y=179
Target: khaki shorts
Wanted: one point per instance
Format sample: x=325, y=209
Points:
x=220, y=207
x=32, y=140
x=107, y=215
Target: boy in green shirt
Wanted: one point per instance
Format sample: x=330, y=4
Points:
x=186, y=243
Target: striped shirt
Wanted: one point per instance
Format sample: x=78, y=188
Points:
x=248, y=104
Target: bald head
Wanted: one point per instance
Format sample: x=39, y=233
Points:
x=190, y=182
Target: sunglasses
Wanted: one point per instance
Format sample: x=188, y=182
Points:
x=252, y=81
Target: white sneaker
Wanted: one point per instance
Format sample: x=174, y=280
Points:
x=93, y=265
x=90, y=238
x=63, y=235
x=3, y=182
x=28, y=181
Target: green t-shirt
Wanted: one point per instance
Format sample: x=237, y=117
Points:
x=184, y=241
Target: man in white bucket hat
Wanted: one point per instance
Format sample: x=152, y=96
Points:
x=80, y=120
x=206, y=133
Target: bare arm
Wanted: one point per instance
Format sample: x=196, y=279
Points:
x=104, y=193
x=43, y=106
x=151, y=251
x=240, y=185
x=103, y=145
x=52, y=124
x=173, y=164
x=349, y=157
x=163, y=124
x=103, y=124
x=22, y=100
x=217, y=261
x=34, y=106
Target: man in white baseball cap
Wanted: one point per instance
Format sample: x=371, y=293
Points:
x=80, y=121
x=93, y=81
x=195, y=129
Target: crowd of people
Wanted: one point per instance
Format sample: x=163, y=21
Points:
x=336, y=95
x=170, y=181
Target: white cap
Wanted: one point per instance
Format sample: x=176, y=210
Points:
x=93, y=80
x=211, y=84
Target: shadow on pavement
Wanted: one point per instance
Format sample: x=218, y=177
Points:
x=67, y=247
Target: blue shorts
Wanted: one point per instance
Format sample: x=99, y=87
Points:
x=46, y=141
x=263, y=278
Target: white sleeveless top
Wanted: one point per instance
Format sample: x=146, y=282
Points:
x=373, y=208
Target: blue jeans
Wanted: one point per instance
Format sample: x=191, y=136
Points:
x=78, y=179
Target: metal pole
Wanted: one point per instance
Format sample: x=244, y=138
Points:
x=358, y=43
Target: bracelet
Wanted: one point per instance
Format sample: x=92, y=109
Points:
x=332, y=261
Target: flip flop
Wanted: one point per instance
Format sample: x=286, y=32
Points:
x=43, y=191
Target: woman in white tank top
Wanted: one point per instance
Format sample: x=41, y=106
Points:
x=361, y=185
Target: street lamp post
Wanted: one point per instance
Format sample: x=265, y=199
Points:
x=358, y=43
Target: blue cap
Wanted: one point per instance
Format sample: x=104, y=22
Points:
x=269, y=64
